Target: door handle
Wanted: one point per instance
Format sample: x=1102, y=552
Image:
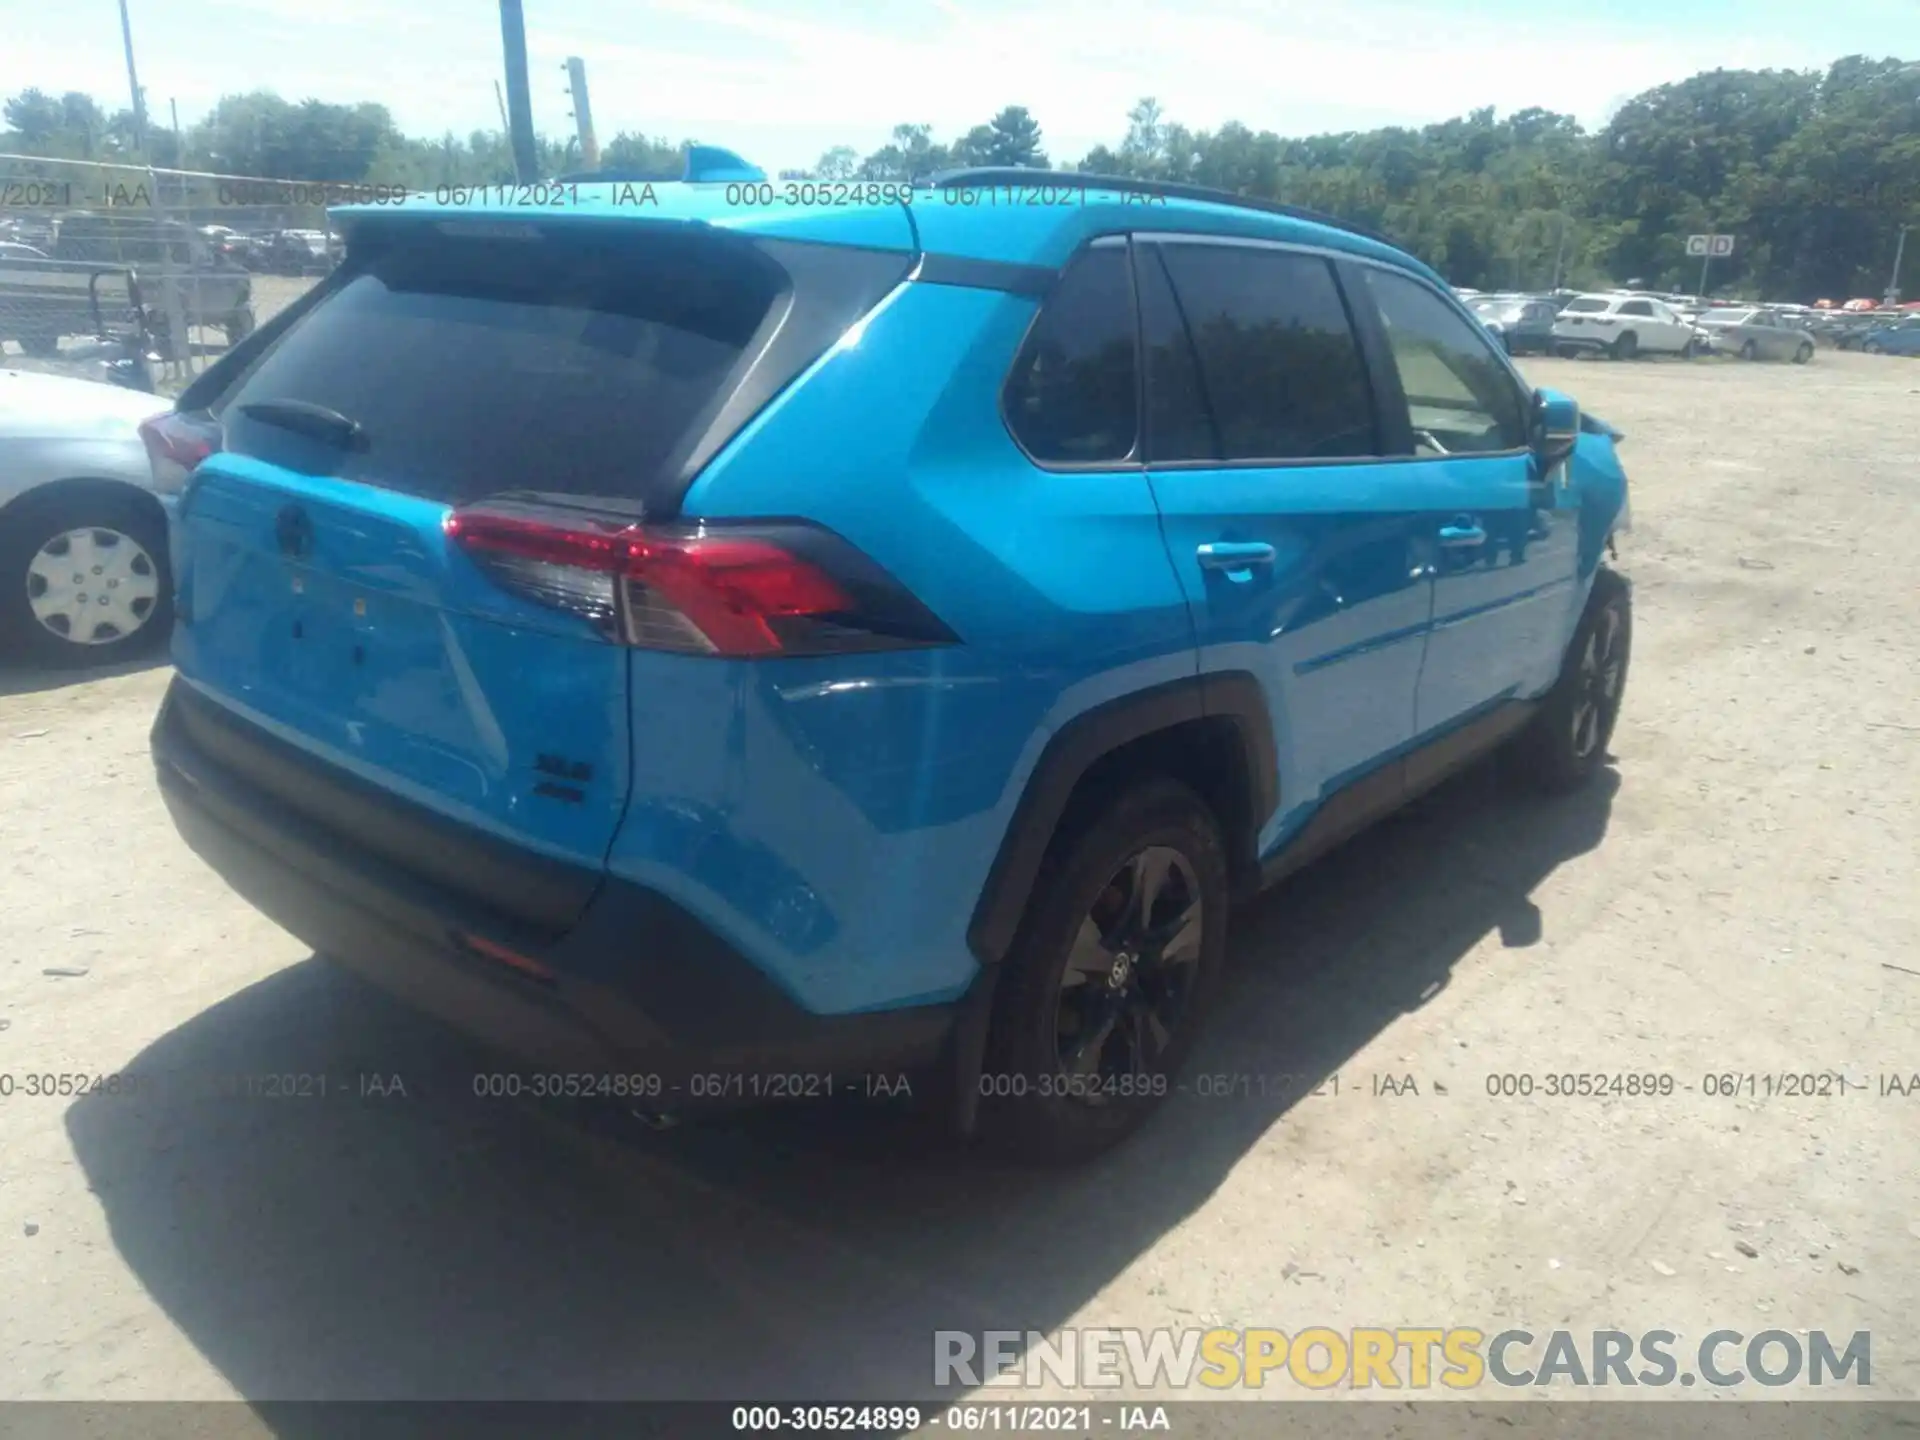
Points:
x=1461, y=535
x=1232, y=555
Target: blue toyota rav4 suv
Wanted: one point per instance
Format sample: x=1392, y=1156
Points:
x=716, y=646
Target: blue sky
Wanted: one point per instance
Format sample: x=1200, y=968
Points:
x=781, y=80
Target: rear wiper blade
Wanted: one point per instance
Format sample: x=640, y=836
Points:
x=317, y=422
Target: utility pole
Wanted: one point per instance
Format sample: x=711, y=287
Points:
x=576, y=69
x=133, y=82
x=513, y=41
x=1559, y=252
x=1892, y=296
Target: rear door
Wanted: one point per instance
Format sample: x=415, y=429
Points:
x=322, y=598
x=1504, y=536
x=1778, y=340
x=1300, y=552
x=1649, y=330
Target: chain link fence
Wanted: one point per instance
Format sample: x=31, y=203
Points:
x=141, y=277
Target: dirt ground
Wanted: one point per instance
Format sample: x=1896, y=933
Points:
x=1738, y=896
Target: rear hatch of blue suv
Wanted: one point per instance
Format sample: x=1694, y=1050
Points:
x=433, y=569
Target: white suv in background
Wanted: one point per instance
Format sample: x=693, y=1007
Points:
x=1622, y=326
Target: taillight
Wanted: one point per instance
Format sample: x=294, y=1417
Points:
x=175, y=444
x=736, y=589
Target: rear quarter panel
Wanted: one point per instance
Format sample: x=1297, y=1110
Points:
x=837, y=818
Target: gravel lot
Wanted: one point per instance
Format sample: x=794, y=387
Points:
x=1739, y=896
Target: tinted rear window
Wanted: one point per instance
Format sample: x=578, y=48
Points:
x=564, y=364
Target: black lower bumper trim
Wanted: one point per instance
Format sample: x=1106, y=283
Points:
x=637, y=985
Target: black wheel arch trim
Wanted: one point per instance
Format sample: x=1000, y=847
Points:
x=1235, y=696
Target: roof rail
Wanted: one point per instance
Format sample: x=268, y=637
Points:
x=989, y=175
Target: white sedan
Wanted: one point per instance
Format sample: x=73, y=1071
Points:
x=1621, y=327
x=85, y=542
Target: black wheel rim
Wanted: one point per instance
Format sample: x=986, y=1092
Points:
x=1130, y=976
x=1597, y=694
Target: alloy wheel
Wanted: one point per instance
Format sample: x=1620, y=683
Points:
x=1597, y=682
x=1130, y=977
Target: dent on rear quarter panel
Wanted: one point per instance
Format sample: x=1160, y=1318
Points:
x=836, y=818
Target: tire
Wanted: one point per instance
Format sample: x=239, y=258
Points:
x=1626, y=347
x=1803, y=355
x=1871, y=347
x=1046, y=1096
x=1565, y=743
x=1749, y=351
x=1689, y=350
x=41, y=347
x=237, y=327
x=127, y=537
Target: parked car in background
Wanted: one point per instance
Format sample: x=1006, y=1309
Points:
x=1523, y=324
x=1901, y=337
x=228, y=243
x=298, y=252
x=85, y=563
x=574, y=651
x=1621, y=327
x=1756, y=335
x=1840, y=328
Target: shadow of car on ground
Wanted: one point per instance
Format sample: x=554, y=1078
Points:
x=352, y=1245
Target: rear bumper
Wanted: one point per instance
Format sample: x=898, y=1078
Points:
x=635, y=986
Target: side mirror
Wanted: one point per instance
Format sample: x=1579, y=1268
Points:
x=1556, y=427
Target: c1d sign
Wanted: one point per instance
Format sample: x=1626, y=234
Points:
x=1715, y=246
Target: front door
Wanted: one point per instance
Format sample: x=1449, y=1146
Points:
x=1504, y=539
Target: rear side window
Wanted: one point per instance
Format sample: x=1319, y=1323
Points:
x=1638, y=307
x=1279, y=371
x=1461, y=398
x=1586, y=306
x=566, y=364
x=1073, y=396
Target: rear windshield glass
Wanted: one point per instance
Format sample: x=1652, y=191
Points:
x=476, y=364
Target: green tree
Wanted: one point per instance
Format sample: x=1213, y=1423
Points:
x=627, y=151
x=911, y=155
x=840, y=163
x=1012, y=138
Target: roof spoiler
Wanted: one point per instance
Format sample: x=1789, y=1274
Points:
x=701, y=165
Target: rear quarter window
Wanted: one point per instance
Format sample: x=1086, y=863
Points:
x=1072, y=397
